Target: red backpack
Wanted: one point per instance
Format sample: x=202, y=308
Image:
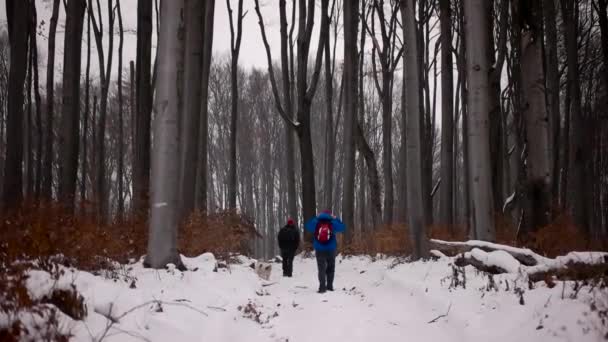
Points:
x=323, y=232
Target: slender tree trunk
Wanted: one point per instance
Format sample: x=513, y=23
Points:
x=85, y=128
x=121, y=139
x=164, y=215
x=18, y=23
x=330, y=143
x=105, y=72
x=603, y=21
x=234, y=91
x=195, y=16
x=47, y=169
x=411, y=77
x=206, y=67
x=143, y=95
x=29, y=125
x=351, y=13
x=479, y=160
x=553, y=91
x=579, y=154
x=68, y=144
x=39, y=130
x=447, y=117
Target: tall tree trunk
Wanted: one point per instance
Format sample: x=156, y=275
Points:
x=29, y=125
x=141, y=165
x=603, y=21
x=121, y=139
x=552, y=89
x=351, y=13
x=85, y=128
x=579, y=155
x=411, y=77
x=538, y=167
x=164, y=215
x=195, y=16
x=39, y=130
x=206, y=66
x=47, y=169
x=104, y=72
x=68, y=143
x=235, y=48
x=18, y=24
x=447, y=117
x=330, y=143
x=478, y=110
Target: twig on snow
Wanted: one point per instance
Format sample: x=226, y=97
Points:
x=440, y=316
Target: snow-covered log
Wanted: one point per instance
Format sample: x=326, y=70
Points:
x=506, y=259
x=523, y=255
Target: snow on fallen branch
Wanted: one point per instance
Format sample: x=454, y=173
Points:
x=523, y=255
x=496, y=259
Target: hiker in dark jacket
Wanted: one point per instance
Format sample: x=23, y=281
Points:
x=324, y=228
x=289, y=241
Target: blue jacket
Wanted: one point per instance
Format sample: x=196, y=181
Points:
x=337, y=226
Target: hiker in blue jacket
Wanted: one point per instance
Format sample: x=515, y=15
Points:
x=324, y=228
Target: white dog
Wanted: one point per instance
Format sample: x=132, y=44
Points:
x=263, y=269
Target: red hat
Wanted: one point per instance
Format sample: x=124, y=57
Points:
x=290, y=222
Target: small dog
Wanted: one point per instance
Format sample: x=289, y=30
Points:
x=263, y=269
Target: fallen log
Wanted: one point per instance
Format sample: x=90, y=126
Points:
x=523, y=255
x=573, y=266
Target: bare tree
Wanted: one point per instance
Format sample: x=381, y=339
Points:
x=206, y=66
x=579, y=179
x=68, y=143
x=39, y=136
x=164, y=207
x=143, y=97
x=351, y=13
x=192, y=104
x=18, y=28
x=478, y=110
x=388, y=55
x=121, y=139
x=447, y=117
x=538, y=170
x=235, y=48
x=47, y=169
x=104, y=75
x=412, y=124
x=305, y=92
x=552, y=89
x=87, y=109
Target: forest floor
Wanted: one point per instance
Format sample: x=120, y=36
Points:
x=385, y=299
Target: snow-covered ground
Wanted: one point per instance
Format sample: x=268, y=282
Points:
x=384, y=300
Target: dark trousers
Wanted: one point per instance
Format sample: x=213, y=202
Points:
x=287, y=256
x=326, y=265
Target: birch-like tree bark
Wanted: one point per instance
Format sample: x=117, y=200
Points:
x=164, y=206
x=478, y=121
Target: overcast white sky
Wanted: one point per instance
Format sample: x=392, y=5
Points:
x=252, y=48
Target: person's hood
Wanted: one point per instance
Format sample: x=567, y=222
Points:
x=325, y=216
